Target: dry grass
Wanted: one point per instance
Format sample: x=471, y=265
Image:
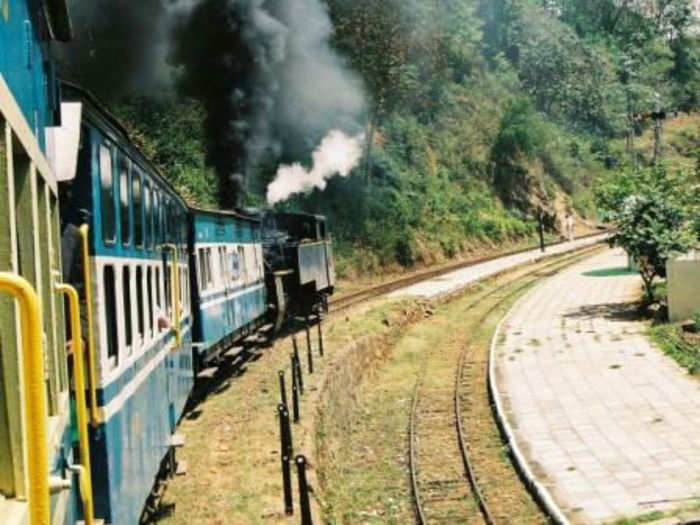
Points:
x=232, y=448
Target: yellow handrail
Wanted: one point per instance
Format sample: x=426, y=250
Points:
x=87, y=280
x=78, y=356
x=175, y=285
x=35, y=415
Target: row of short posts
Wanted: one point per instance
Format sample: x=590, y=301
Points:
x=286, y=446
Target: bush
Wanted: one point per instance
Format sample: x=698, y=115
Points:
x=652, y=212
x=405, y=250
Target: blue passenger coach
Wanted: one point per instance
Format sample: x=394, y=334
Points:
x=228, y=277
x=36, y=449
x=140, y=301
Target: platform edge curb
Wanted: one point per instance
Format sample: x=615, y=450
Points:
x=537, y=489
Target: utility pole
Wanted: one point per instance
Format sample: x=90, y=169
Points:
x=540, y=227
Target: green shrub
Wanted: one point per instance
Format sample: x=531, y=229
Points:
x=405, y=250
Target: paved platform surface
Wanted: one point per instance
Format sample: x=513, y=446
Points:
x=452, y=282
x=605, y=421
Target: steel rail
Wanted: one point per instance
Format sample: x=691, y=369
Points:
x=346, y=301
x=462, y=440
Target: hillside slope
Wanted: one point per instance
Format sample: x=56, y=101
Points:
x=479, y=115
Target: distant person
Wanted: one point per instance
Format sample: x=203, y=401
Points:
x=569, y=227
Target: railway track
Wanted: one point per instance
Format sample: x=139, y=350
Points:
x=451, y=461
x=344, y=302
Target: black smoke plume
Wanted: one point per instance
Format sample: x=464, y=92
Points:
x=264, y=70
x=119, y=47
x=268, y=78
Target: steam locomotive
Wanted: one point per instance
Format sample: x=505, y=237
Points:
x=157, y=291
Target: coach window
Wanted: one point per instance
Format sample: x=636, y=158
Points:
x=158, y=303
x=202, y=270
x=126, y=291
x=139, y=304
x=210, y=273
x=222, y=265
x=107, y=194
x=167, y=288
x=137, y=203
x=183, y=229
x=124, y=188
x=149, y=289
x=158, y=299
x=233, y=266
x=110, y=309
x=154, y=217
x=148, y=213
x=243, y=269
x=256, y=272
x=160, y=219
x=165, y=207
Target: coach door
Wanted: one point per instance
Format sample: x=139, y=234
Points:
x=167, y=272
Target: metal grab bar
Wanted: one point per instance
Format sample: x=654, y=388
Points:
x=175, y=285
x=35, y=413
x=87, y=283
x=85, y=472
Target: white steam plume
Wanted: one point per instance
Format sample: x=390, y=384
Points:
x=338, y=154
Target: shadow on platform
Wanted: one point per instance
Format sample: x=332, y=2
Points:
x=610, y=272
x=611, y=311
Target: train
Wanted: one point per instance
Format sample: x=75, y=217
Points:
x=116, y=295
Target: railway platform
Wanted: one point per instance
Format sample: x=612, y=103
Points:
x=454, y=281
x=602, y=422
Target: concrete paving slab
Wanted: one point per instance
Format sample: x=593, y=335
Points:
x=452, y=282
x=601, y=417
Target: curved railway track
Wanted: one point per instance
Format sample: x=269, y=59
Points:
x=447, y=483
x=346, y=301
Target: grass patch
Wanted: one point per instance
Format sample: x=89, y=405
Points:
x=670, y=339
x=649, y=517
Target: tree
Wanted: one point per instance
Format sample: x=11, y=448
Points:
x=652, y=212
x=520, y=138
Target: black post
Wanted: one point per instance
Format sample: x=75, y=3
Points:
x=283, y=388
x=540, y=220
x=308, y=333
x=294, y=344
x=295, y=391
x=288, y=431
x=299, y=372
x=309, y=354
x=320, y=336
x=303, y=491
x=285, y=458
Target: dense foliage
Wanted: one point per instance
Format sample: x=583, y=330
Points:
x=481, y=112
x=169, y=130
